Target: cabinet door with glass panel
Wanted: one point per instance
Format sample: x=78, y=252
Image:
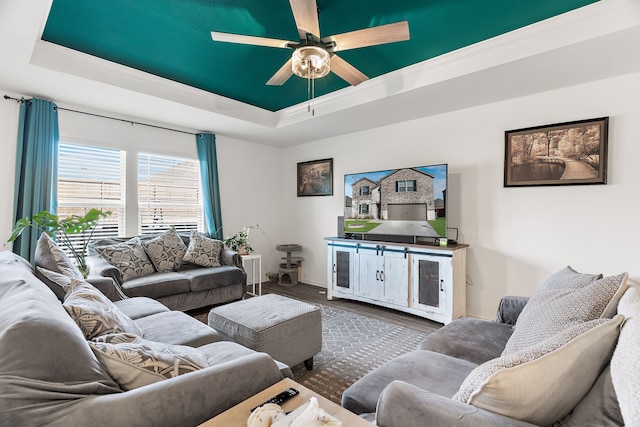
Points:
x=431, y=285
x=343, y=269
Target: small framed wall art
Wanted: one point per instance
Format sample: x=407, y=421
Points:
x=315, y=178
x=561, y=154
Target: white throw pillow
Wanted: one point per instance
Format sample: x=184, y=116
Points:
x=543, y=383
x=625, y=363
x=134, y=362
x=166, y=251
x=203, y=251
x=128, y=257
x=558, y=304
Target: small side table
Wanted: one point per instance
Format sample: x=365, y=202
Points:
x=255, y=259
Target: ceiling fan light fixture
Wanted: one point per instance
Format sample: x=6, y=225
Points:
x=310, y=62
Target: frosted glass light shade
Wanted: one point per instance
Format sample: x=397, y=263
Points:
x=310, y=62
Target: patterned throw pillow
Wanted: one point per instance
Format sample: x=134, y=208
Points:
x=135, y=362
x=559, y=304
x=543, y=383
x=166, y=250
x=57, y=256
x=128, y=257
x=93, y=312
x=203, y=250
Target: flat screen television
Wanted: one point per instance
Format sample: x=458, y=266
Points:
x=398, y=205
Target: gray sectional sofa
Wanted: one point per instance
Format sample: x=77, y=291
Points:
x=187, y=287
x=51, y=375
x=518, y=370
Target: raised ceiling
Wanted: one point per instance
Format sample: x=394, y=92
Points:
x=171, y=39
x=585, y=44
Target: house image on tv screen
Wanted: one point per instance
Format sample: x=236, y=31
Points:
x=403, y=195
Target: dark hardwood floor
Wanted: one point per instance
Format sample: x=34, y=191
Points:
x=315, y=294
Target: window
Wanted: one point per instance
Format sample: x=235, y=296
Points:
x=168, y=193
x=92, y=177
x=364, y=190
x=406, y=186
x=363, y=209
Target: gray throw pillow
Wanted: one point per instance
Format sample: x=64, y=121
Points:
x=203, y=251
x=566, y=299
x=50, y=256
x=166, y=251
x=92, y=311
x=128, y=257
x=134, y=362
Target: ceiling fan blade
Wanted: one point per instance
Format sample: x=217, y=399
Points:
x=381, y=34
x=305, y=13
x=346, y=71
x=282, y=75
x=252, y=40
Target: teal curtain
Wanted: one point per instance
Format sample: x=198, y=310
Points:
x=208, y=161
x=36, y=184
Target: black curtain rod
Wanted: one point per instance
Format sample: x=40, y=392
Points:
x=7, y=97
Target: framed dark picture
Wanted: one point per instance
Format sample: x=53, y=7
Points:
x=315, y=178
x=561, y=154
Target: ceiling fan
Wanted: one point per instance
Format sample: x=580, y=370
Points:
x=315, y=57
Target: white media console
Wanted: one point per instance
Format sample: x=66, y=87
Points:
x=428, y=281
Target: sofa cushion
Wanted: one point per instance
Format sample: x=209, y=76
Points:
x=203, y=250
x=166, y=250
x=134, y=362
x=470, y=339
x=434, y=372
x=625, y=363
x=50, y=256
x=176, y=327
x=564, y=300
x=39, y=341
x=598, y=408
x=202, y=279
x=138, y=307
x=543, y=383
x=93, y=312
x=157, y=285
x=227, y=351
x=129, y=257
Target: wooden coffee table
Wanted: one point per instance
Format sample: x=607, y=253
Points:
x=239, y=414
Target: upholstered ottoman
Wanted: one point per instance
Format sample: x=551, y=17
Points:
x=288, y=330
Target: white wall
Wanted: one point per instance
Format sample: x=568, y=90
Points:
x=8, y=136
x=517, y=236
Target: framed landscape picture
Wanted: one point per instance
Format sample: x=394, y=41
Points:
x=315, y=178
x=561, y=154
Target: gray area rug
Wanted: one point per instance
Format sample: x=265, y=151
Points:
x=352, y=345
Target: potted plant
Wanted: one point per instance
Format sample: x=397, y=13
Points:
x=64, y=227
x=239, y=242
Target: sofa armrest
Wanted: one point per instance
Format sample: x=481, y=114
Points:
x=231, y=257
x=187, y=400
x=509, y=309
x=99, y=266
x=405, y=405
x=107, y=286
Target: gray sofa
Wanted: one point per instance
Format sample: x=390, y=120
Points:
x=49, y=374
x=420, y=387
x=189, y=287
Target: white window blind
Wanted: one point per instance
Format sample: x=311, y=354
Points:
x=169, y=193
x=92, y=177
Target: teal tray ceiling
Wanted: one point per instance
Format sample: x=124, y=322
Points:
x=171, y=39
